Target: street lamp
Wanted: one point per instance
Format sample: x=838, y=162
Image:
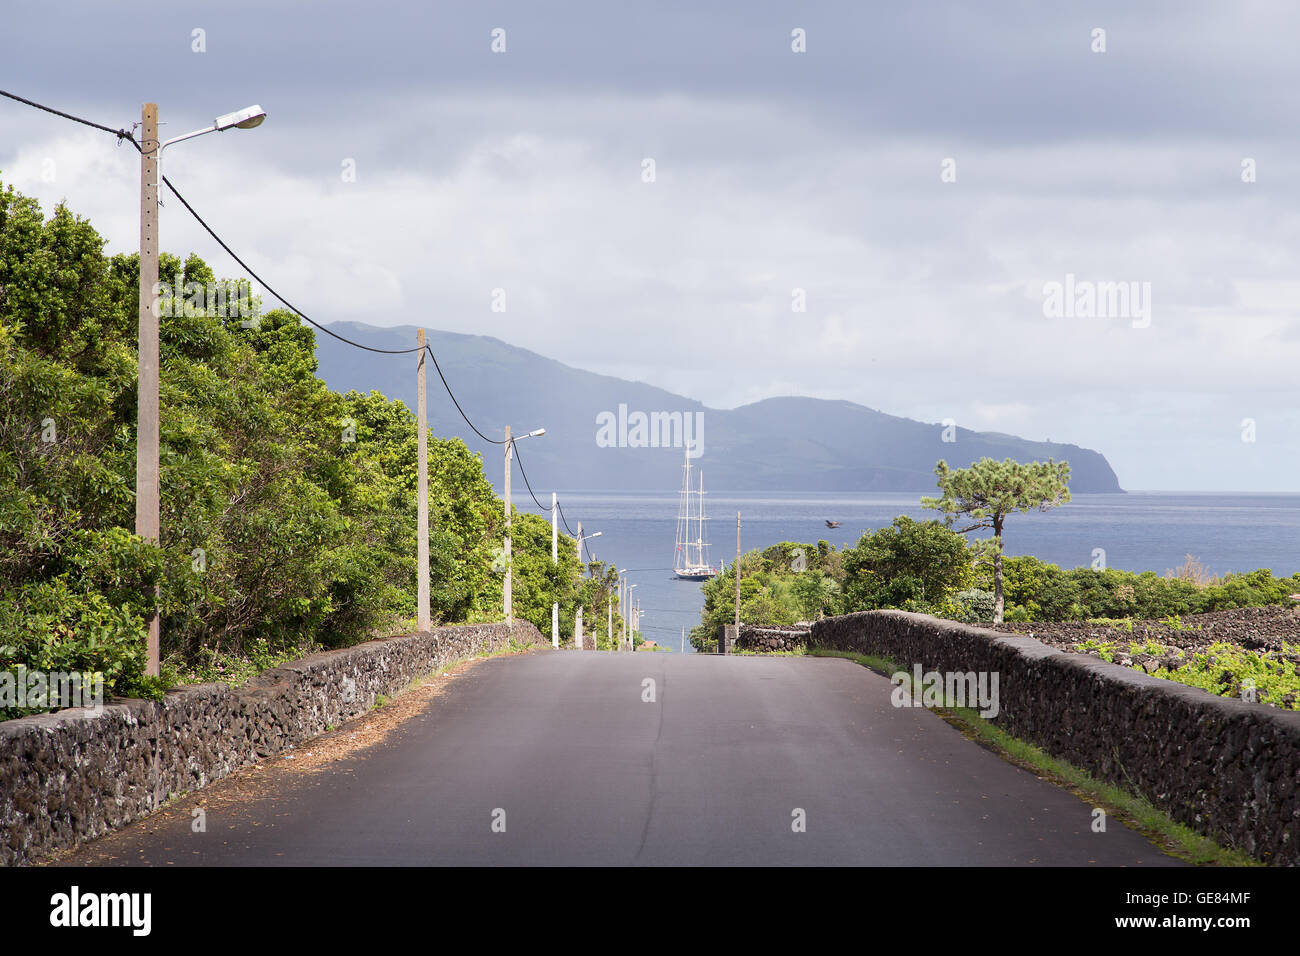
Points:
x=147, y=504
x=247, y=118
x=510, y=448
x=584, y=537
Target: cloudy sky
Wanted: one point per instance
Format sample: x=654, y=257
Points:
x=921, y=172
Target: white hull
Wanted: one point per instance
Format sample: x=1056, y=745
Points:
x=695, y=574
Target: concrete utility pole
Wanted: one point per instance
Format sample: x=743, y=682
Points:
x=555, y=559
x=610, y=636
x=724, y=641
x=577, y=630
x=629, y=620
x=578, y=547
x=510, y=614
x=422, y=616
x=683, y=640
x=510, y=448
x=148, y=523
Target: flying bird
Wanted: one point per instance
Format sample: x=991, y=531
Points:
x=832, y=524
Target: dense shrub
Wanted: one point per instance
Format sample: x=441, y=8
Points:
x=288, y=510
x=974, y=606
x=1038, y=591
x=921, y=562
x=924, y=567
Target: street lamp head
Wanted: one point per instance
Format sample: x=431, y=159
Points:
x=246, y=118
x=537, y=433
x=596, y=535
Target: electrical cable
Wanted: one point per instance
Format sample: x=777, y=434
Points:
x=527, y=484
x=560, y=507
x=452, y=396
x=119, y=133
x=123, y=134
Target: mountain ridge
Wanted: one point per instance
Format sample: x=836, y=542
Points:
x=790, y=442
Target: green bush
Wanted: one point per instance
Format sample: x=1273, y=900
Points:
x=975, y=606
x=1038, y=591
x=288, y=510
x=917, y=561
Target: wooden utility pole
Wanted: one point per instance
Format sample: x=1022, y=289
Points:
x=422, y=619
x=148, y=523
x=510, y=616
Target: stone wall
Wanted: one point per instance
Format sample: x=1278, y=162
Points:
x=1226, y=768
x=73, y=775
x=775, y=637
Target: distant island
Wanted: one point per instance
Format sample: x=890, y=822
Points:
x=604, y=432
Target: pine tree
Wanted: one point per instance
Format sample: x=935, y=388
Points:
x=988, y=491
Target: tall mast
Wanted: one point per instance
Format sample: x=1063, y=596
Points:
x=700, y=541
x=687, y=537
x=681, y=560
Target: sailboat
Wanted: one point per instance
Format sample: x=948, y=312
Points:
x=689, y=562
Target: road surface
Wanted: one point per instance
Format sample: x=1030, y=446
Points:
x=555, y=758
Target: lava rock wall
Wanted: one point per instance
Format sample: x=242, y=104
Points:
x=73, y=775
x=1226, y=768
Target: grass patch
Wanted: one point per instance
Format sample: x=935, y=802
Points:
x=1132, y=809
x=882, y=665
x=1118, y=623
x=211, y=665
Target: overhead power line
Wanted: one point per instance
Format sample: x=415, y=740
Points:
x=298, y=312
x=560, y=507
x=266, y=285
x=452, y=396
x=124, y=134
x=119, y=133
x=527, y=484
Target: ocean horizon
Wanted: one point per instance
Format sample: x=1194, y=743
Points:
x=1133, y=531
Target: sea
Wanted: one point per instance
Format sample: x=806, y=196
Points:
x=1137, y=531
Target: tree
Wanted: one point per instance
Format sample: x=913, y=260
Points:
x=816, y=593
x=767, y=596
x=908, y=564
x=988, y=491
x=288, y=510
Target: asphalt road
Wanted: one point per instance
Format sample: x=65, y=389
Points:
x=586, y=772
